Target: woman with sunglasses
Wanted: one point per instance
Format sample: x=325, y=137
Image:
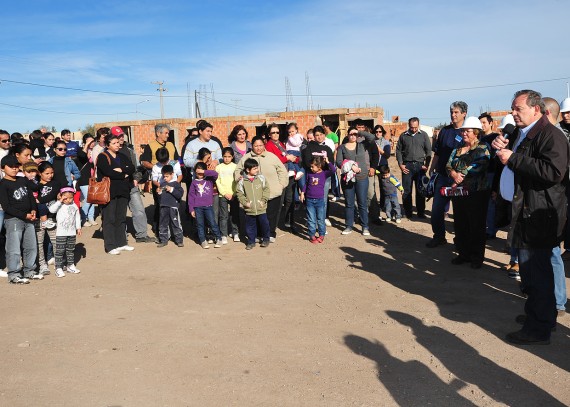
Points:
x=65, y=171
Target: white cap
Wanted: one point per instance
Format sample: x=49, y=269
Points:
x=472, y=123
x=508, y=119
x=565, y=105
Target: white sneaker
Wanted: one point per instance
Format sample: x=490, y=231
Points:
x=72, y=269
x=327, y=222
x=114, y=251
x=126, y=248
x=51, y=261
x=218, y=244
x=224, y=240
x=49, y=224
x=205, y=245
x=236, y=238
x=37, y=277
x=299, y=175
x=272, y=240
x=346, y=231
x=19, y=280
x=59, y=273
x=44, y=270
x=398, y=220
x=365, y=232
x=333, y=199
x=3, y=274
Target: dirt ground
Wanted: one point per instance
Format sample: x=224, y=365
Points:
x=356, y=321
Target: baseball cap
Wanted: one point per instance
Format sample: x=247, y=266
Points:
x=117, y=131
x=10, y=161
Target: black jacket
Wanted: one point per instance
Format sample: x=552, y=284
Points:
x=120, y=185
x=540, y=166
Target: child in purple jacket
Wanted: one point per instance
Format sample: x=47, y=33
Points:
x=313, y=194
x=201, y=201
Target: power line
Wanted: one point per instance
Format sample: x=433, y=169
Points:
x=71, y=113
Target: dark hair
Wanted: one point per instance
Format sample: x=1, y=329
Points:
x=16, y=136
x=350, y=128
x=65, y=132
x=228, y=150
x=319, y=129
x=35, y=134
x=4, y=132
x=358, y=122
x=162, y=155
x=318, y=161
x=269, y=127
x=200, y=165
x=413, y=119
x=47, y=134
x=58, y=142
x=109, y=138
x=292, y=124
x=534, y=98
x=18, y=148
x=167, y=169
x=102, y=132
x=203, y=152
x=328, y=124
x=384, y=169
x=235, y=131
x=257, y=138
x=86, y=136
x=203, y=125
x=249, y=164
x=379, y=126
x=44, y=165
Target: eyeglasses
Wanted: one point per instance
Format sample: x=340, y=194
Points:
x=274, y=132
x=61, y=149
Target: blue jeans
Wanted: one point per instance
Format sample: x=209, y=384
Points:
x=87, y=209
x=408, y=181
x=356, y=190
x=392, y=207
x=206, y=214
x=559, y=279
x=20, y=233
x=227, y=218
x=438, y=207
x=251, y=222
x=537, y=281
x=315, y=216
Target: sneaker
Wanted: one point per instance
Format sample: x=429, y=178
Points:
x=320, y=239
x=126, y=248
x=236, y=238
x=210, y=241
x=205, y=245
x=328, y=222
x=346, y=231
x=180, y=244
x=265, y=243
x=287, y=224
x=73, y=270
x=59, y=272
x=44, y=270
x=161, y=244
x=333, y=199
x=36, y=277
x=114, y=251
x=365, y=232
x=398, y=220
x=51, y=261
x=218, y=243
x=48, y=224
x=515, y=275
x=19, y=280
x=299, y=175
x=3, y=273
x=87, y=224
x=146, y=239
x=249, y=246
x=435, y=242
x=313, y=239
x=272, y=239
x=224, y=240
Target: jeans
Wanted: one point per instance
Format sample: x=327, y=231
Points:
x=315, y=216
x=206, y=214
x=20, y=234
x=251, y=222
x=491, y=210
x=372, y=200
x=559, y=279
x=87, y=209
x=438, y=208
x=392, y=206
x=356, y=190
x=538, y=281
x=138, y=213
x=328, y=184
x=408, y=181
x=227, y=218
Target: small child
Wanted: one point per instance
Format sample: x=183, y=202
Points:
x=19, y=208
x=163, y=158
x=390, y=187
x=205, y=155
x=200, y=201
x=313, y=194
x=253, y=193
x=46, y=196
x=170, y=193
x=226, y=185
x=68, y=227
x=293, y=146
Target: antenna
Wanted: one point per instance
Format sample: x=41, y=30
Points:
x=308, y=92
x=288, y=96
x=204, y=97
x=213, y=99
x=161, y=90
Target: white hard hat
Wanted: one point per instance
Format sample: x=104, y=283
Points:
x=508, y=119
x=472, y=123
x=565, y=105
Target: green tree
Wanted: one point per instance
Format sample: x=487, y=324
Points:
x=89, y=128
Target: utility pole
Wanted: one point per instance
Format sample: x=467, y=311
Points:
x=197, y=111
x=161, y=90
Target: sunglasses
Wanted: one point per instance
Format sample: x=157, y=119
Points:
x=353, y=134
x=274, y=132
x=61, y=149
x=5, y=141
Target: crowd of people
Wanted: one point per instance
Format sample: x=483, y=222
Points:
x=517, y=177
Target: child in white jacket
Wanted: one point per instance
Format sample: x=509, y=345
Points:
x=68, y=227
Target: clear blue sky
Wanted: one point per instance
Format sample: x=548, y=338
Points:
x=350, y=49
